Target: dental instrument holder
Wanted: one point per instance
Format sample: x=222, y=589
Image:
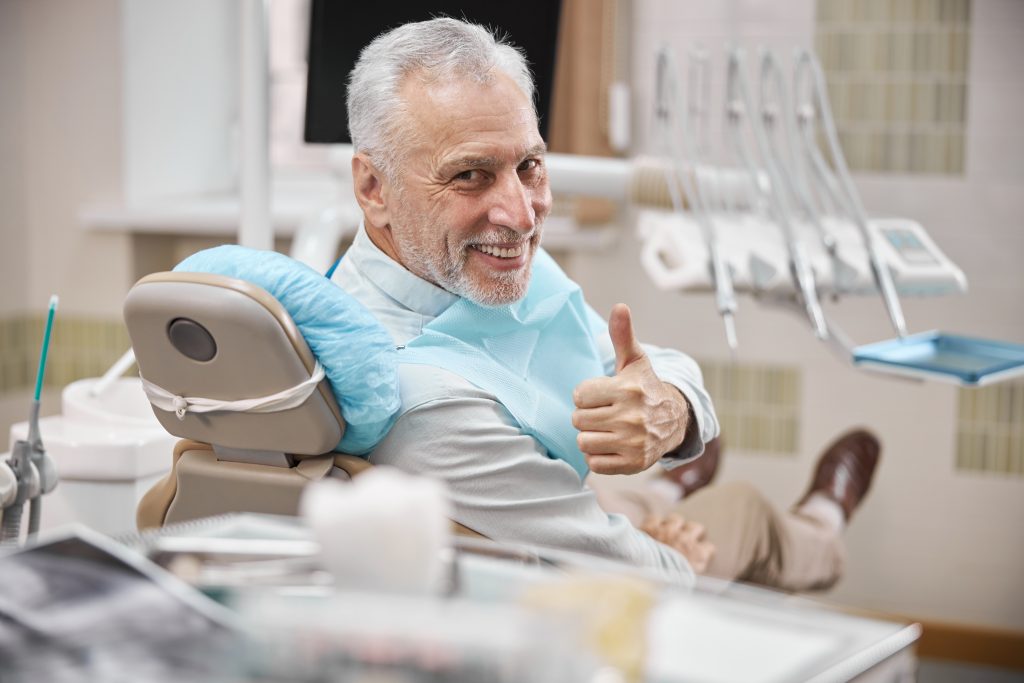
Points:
x=863, y=257
x=26, y=488
x=966, y=361
x=33, y=470
x=667, y=102
x=962, y=360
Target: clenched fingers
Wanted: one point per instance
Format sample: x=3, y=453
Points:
x=599, y=443
x=613, y=464
x=600, y=419
x=596, y=392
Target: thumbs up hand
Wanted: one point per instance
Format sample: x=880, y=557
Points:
x=627, y=421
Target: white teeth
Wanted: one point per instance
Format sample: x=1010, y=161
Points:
x=499, y=251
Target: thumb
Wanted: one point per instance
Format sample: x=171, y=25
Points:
x=620, y=327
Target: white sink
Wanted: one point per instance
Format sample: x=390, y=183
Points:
x=123, y=403
x=113, y=436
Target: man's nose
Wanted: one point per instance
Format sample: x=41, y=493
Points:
x=513, y=205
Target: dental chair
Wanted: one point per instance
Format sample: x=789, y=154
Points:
x=265, y=426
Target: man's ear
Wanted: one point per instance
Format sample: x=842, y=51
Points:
x=372, y=191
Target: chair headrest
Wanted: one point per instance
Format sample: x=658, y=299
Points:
x=211, y=336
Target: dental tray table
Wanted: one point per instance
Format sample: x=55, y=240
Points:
x=304, y=626
x=935, y=355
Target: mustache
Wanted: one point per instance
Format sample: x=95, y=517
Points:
x=503, y=237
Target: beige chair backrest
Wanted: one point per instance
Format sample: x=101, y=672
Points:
x=209, y=336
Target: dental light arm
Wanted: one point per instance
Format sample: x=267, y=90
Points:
x=808, y=64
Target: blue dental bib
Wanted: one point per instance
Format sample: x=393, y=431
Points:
x=530, y=354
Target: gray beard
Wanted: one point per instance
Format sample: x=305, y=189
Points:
x=500, y=290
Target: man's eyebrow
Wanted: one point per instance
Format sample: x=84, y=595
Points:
x=535, y=150
x=473, y=161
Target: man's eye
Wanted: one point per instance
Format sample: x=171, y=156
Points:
x=468, y=176
x=529, y=165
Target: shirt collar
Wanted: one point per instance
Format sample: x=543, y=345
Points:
x=400, y=284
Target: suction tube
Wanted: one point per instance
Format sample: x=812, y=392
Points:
x=33, y=469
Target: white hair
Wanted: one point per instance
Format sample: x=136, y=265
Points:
x=441, y=49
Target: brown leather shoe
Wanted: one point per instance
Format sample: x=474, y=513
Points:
x=697, y=473
x=845, y=470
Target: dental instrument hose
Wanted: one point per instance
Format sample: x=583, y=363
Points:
x=44, y=466
x=32, y=468
x=879, y=269
x=666, y=106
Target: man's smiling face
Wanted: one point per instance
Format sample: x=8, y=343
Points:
x=470, y=198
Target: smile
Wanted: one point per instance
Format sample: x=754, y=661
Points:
x=500, y=252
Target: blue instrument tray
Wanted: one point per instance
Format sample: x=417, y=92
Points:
x=964, y=360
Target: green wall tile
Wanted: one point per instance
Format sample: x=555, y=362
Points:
x=79, y=347
x=758, y=405
x=896, y=73
x=990, y=429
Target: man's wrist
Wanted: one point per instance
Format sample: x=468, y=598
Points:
x=689, y=432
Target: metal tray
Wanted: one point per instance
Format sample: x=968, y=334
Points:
x=936, y=355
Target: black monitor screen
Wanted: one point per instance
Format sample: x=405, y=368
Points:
x=340, y=29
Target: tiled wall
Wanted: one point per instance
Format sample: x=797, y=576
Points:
x=758, y=406
x=990, y=429
x=79, y=347
x=897, y=78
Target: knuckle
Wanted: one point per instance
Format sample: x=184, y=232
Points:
x=633, y=421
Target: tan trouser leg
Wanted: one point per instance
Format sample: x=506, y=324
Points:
x=755, y=543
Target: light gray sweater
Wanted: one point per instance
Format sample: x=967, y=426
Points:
x=501, y=481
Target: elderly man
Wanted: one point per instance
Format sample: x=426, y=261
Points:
x=512, y=387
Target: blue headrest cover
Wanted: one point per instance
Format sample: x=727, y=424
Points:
x=357, y=353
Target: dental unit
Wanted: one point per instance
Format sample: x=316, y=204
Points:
x=792, y=213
